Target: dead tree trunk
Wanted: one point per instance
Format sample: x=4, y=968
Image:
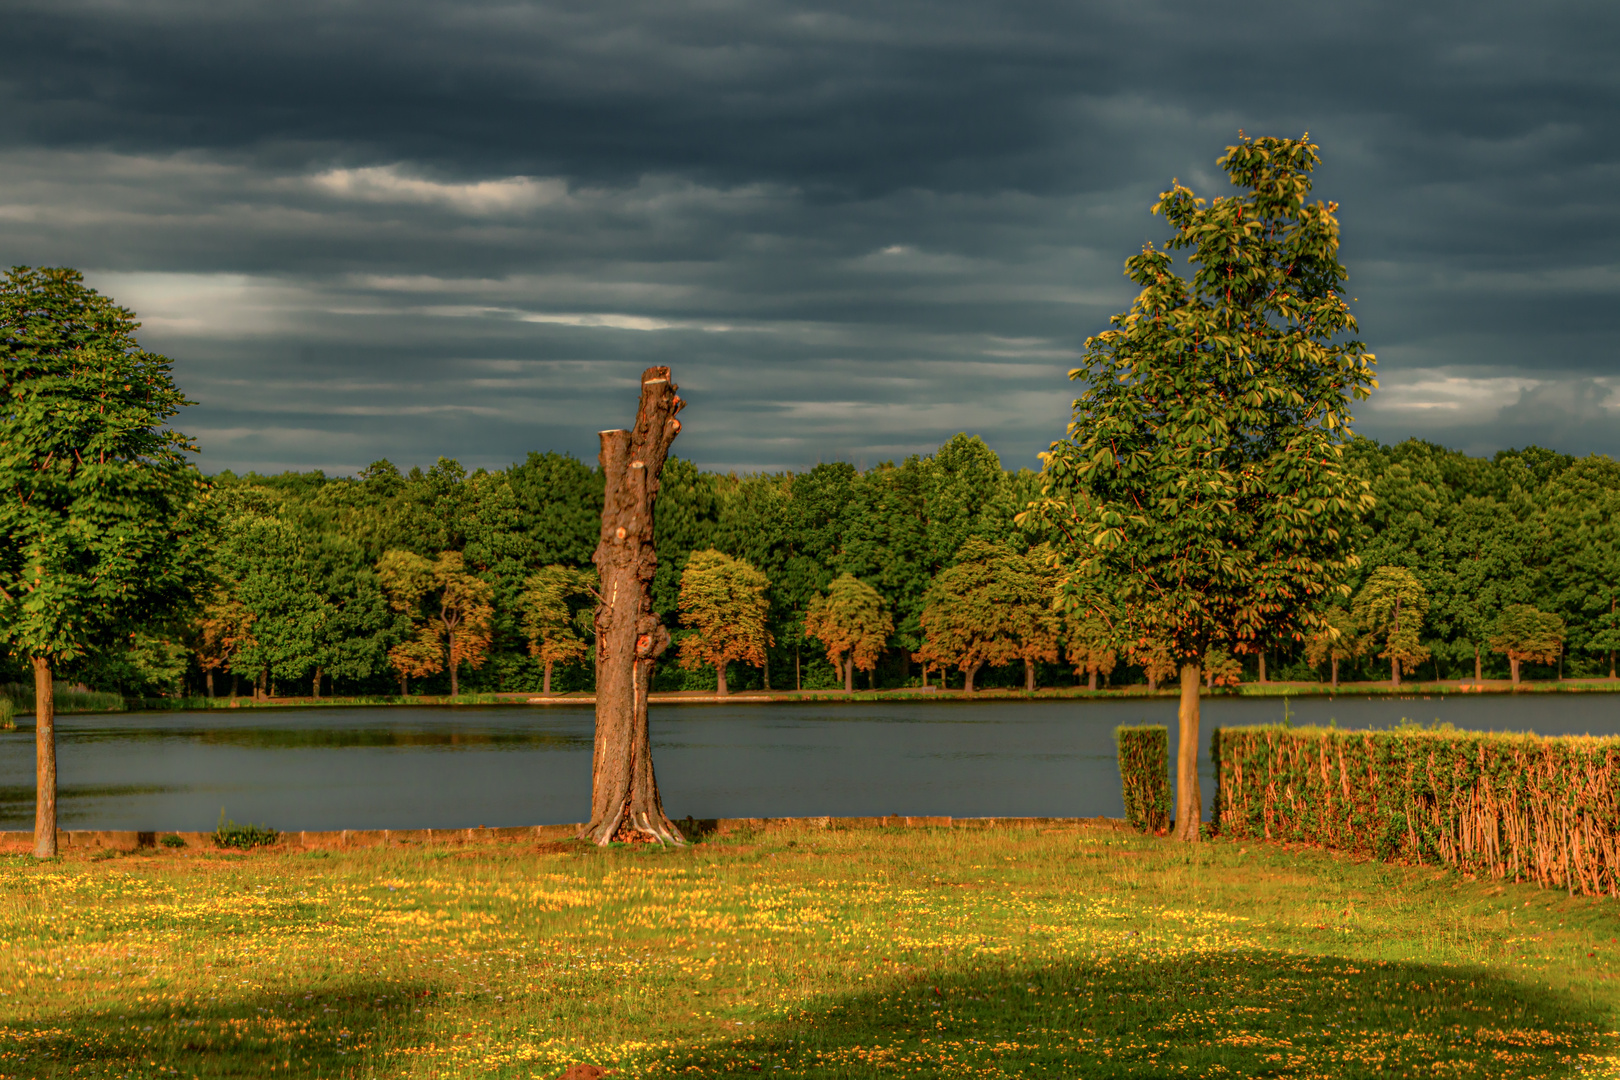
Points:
x=44, y=759
x=629, y=637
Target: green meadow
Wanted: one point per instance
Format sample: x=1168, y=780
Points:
x=1075, y=950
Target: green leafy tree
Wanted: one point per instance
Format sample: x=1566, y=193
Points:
x=1390, y=609
x=723, y=605
x=98, y=513
x=1090, y=647
x=1337, y=639
x=1204, y=469
x=458, y=616
x=557, y=624
x=853, y=625
x=224, y=626
x=991, y=608
x=264, y=559
x=1221, y=668
x=1523, y=632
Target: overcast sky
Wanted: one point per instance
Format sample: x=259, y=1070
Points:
x=386, y=228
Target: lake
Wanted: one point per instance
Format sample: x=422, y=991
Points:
x=407, y=768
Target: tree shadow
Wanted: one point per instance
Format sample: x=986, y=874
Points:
x=1240, y=1013
x=296, y=1033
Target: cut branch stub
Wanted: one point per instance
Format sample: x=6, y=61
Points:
x=629, y=636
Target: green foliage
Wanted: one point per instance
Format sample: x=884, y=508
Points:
x=1144, y=770
x=170, y=840
x=8, y=713
x=1205, y=469
x=557, y=604
x=1523, y=632
x=1390, y=608
x=723, y=605
x=98, y=520
x=993, y=607
x=242, y=837
x=852, y=625
x=1523, y=807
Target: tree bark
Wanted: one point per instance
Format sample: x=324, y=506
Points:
x=1189, y=803
x=1262, y=667
x=1479, y=671
x=1153, y=682
x=1029, y=675
x=317, y=693
x=797, y=684
x=624, y=791
x=1335, y=662
x=1091, y=679
x=765, y=672
x=925, y=677
x=967, y=682
x=210, y=682
x=44, y=760
x=849, y=674
x=1513, y=662
x=1394, y=671
x=404, y=687
x=545, y=687
x=720, y=688
x=455, y=685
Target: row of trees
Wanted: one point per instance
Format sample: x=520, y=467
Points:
x=441, y=579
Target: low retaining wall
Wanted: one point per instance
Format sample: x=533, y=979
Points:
x=80, y=840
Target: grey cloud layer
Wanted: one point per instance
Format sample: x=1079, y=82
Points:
x=407, y=230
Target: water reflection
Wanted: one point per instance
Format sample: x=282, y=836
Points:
x=444, y=768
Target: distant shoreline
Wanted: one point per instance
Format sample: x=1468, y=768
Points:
x=1413, y=690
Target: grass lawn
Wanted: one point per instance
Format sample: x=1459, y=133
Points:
x=1080, y=951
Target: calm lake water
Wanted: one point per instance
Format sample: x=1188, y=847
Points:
x=453, y=767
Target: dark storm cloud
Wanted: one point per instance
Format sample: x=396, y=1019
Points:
x=411, y=229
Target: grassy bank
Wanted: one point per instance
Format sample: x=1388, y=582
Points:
x=1077, y=951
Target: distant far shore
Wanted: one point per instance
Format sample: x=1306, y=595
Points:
x=906, y=694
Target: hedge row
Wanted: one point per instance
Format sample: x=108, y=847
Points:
x=1144, y=768
x=1525, y=807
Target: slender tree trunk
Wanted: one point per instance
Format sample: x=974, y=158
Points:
x=1479, y=675
x=1189, y=803
x=1091, y=679
x=625, y=803
x=1153, y=682
x=1029, y=675
x=797, y=683
x=720, y=680
x=765, y=672
x=236, y=686
x=1611, y=663
x=1394, y=671
x=44, y=760
x=967, y=683
x=1335, y=662
x=925, y=676
x=210, y=682
x=317, y=694
x=1262, y=667
x=871, y=677
x=455, y=683
x=1513, y=662
x=545, y=687
x=404, y=687
x=849, y=674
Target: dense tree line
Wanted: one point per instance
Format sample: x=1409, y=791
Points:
x=362, y=582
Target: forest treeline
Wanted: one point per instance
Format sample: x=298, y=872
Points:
x=345, y=580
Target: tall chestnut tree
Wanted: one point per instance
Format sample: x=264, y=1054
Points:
x=97, y=500
x=1204, y=469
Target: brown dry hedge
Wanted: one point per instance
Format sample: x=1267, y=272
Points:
x=1526, y=807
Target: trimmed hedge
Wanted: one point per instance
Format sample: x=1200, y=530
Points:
x=1144, y=770
x=1526, y=807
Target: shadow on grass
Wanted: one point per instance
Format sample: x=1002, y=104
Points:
x=1243, y=1013
x=331, y=1032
